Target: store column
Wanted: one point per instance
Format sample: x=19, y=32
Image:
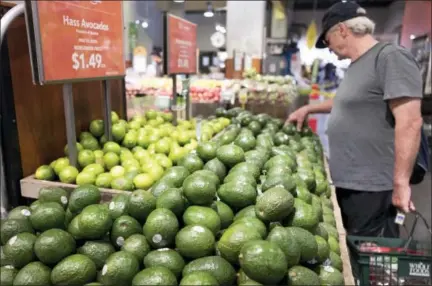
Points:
x=245, y=27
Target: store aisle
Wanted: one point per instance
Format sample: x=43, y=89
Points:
x=422, y=196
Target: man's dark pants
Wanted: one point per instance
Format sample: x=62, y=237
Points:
x=368, y=213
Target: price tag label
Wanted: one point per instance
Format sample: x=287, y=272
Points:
x=78, y=40
x=198, y=129
x=182, y=46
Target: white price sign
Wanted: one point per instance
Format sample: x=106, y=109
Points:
x=80, y=61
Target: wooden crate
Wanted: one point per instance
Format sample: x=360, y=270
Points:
x=347, y=270
x=30, y=188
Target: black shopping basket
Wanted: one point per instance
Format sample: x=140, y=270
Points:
x=390, y=261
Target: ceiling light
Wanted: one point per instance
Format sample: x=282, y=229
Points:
x=178, y=1
x=144, y=24
x=137, y=22
x=412, y=37
x=208, y=14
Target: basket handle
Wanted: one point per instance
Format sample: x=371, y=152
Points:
x=411, y=233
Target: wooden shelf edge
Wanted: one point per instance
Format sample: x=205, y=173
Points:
x=346, y=261
x=30, y=188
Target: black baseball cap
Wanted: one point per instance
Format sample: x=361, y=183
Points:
x=336, y=14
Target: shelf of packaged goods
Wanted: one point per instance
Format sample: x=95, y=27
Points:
x=347, y=270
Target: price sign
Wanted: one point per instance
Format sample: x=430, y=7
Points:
x=182, y=47
x=77, y=40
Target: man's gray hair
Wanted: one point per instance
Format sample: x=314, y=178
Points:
x=361, y=25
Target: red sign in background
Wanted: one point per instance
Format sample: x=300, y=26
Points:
x=80, y=39
x=182, y=47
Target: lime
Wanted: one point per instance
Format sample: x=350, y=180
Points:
x=60, y=164
x=84, y=135
x=118, y=131
x=97, y=128
x=117, y=171
x=45, y=172
x=131, y=161
x=111, y=159
x=141, y=154
x=137, y=148
x=112, y=147
x=103, y=139
x=167, y=116
x=132, y=168
x=151, y=114
x=139, y=118
x=130, y=139
x=122, y=183
x=104, y=180
x=79, y=147
x=68, y=175
x=163, y=160
x=85, y=158
x=90, y=143
x=85, y=178
x=143, y=181
x=156, y=172
x=134, y=125
x=114, y=117
x=95, y=169
x=163, y=146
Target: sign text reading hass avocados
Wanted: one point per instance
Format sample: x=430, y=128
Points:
x=91, y=42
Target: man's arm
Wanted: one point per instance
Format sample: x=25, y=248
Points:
x=408, y=124
x=300, y=114
x=323, y=107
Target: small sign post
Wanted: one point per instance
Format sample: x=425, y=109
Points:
x=180, y=55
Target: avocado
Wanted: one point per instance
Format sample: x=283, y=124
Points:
x=307, y=242
x=118, y=205
x=12, y=227
x=243, y=279
x=34, y=273
x=156, y=275
x=161, y=228
x=245, y=212
x=230, y=155
x=119, y=269
x=274, y=205
x=284, y=180
x=53, y=245
x=225, y=213
x=76, y=269
x=304, y=216
x=137, y=244
x=141, y=204
x=123, y=227
x=7, y=275
x=168, y=258
x=175, y=176
x=323, y=249
x=237, y=194
x=253, y=222
x=217, y=266
x=94, y=222
x=232, y=240
x=217, y=167
x=205, y=216
x=48, y=215
x=173, y=200
x=329, y=275
x=19, y=249
x=287, y=243
x=299, y=276
x=199, y=190
x=263, y=261
x=97, y=251
x=198, y=278
x=195, y=241
x=192, y=162
x=83, y=196
x=54, y=194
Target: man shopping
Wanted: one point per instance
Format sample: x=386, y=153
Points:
x=375, y=123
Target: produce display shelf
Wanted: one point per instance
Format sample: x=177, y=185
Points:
x=30, y=188
x=347, y=270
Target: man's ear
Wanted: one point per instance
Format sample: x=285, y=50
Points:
x=343, y=29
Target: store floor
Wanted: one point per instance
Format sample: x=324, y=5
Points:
x=422, y=197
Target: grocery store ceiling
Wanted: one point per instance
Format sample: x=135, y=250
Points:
x=324, y=4
x=190, y=5
x=219, y=5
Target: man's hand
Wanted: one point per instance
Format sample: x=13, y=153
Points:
x=401, y=198
x=299, y=116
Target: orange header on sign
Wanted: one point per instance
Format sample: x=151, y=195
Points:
x=182, y=48
x=80, y=39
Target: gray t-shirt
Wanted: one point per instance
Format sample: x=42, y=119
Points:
x=361, y=139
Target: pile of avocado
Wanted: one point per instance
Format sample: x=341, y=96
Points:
x=251, y=207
